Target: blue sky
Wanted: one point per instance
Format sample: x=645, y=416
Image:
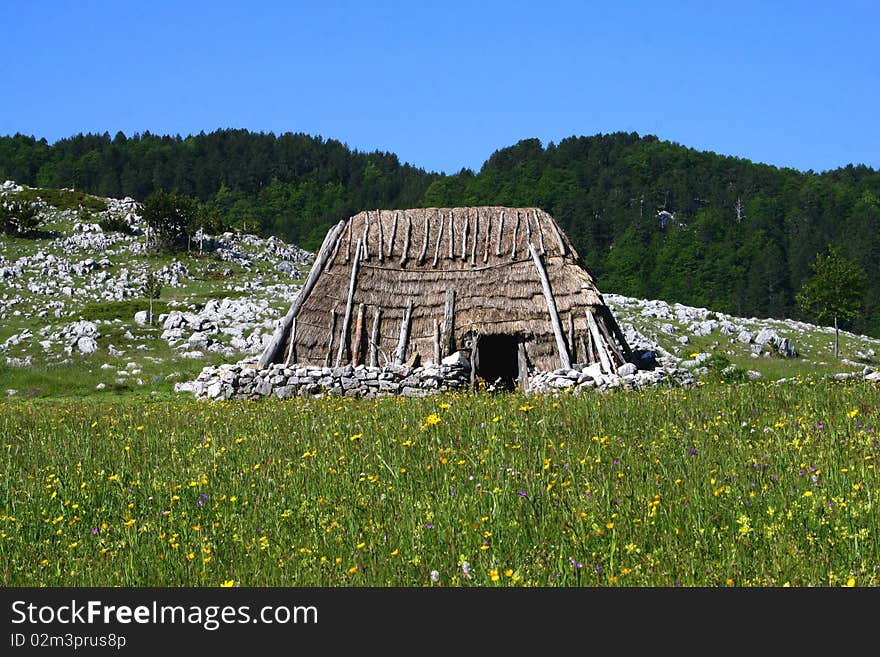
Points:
x=444, y=84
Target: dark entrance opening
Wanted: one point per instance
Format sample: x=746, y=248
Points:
x=496, y=361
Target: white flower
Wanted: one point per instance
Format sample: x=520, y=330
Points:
x=435, y=576
x=465, y=569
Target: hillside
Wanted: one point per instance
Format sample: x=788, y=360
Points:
x=653, y=219
x=74, y=315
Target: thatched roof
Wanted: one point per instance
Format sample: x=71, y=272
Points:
x=423, y=265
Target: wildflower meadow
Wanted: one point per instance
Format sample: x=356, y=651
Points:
x=719, y=485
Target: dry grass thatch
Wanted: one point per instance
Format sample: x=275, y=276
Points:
x=388, y=284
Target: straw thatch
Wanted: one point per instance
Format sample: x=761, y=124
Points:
x=389, y=284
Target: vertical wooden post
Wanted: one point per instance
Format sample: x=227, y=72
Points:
x=405, y=254
x=500, y=233
x=424, y=250
x=374, y=338
x=437, y=341
x=393, y=236
x=522, y=366
x=447, y=342
x=343, y=340
x=571, y=345
x=348, y=242
x=381, y=236
x=400, y=355
x=365, y=242
x=551, y=308
x=328, y=360
x=515, y=231
x=358, y=335
x=474, y=240
x=451, y=235
x=464, y=236
x=437, y=245
x=615, y=328
x=488, y=237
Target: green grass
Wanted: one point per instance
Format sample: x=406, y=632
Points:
x=744, y=485
x=62, y=199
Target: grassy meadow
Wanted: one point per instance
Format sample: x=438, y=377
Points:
x=720, y=485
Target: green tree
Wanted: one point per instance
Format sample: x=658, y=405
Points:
x=835, y=291
x=171, y=219
x=17, y=219
x=152, y=289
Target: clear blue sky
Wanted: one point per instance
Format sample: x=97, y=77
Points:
x=444, y=84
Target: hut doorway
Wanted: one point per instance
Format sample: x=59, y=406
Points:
x=496, y=360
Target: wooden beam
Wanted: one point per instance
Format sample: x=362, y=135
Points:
x=343, y=339
x=464, y=236
x=451, y=235
x=374, y=338
x=436, y=341
x=528, y=229
x=604, y=359
x=474, y=239
x=403, y=341
x=447, y=341
x=559, y=240
x=522, y=360
x=381, y=248
x=488, y=238
x=405, y=254
x=393, y=236
x=583, y=349
x=348, y=242
x=571, y=346
x=291, y=346
x=271, y=350
x=551, y=308
x=615, y=328
x=358, y=335
x=424, y=250
x=365, y=242
x=540, y=234
x=437, y=245
x=515, y=231
x=609, y=340
x=500, y=233
x=332, y=334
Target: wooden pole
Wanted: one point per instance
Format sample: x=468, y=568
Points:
x=559, y=240
x=500, y=231
x=271, y=350
x=365, y=242
x=464, y=236
x=343, y=339
x=374, y=338
x=358, y=335
x=348, y=242
x=291, y=346
x=400, y=355
x=424, y=250
x=393, y=235
x=437, y=245
x=447, y=341
x=381, y=236
x=609, y=340
x=571, y=344
x=540, y=234
x=615, y=328
x=436, y=341
x=405, y=254
x=327, y=360
x=474, y=240
x=551, y=308
x=488, y=238
x=604, y=359
x=451, y=235
x=522, y=366
x=515, y=231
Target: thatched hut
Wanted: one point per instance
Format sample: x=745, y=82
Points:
x=504, y=285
